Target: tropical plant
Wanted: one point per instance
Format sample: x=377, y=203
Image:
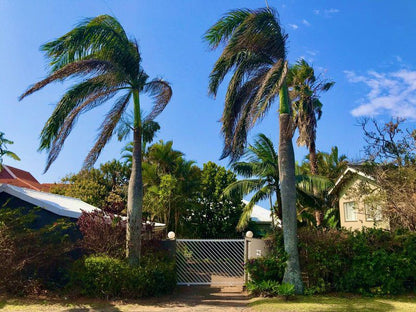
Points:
x=255, y=54
x=99, y=51
x=4, y=151
x=261, y=172
x=304, y=91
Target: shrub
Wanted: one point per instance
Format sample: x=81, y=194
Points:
x=105, y=277
x=371, y=261
x=266, y=268
x=265, y=288
x=105, y=234
x=34, y=256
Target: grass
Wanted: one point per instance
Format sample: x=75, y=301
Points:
x=336, y=303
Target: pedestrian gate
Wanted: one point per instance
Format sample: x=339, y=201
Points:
x=210, y=261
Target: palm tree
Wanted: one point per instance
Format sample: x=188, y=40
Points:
x=255, y=53
x=304, y=91
x=261, y=172
x=99, y=51
x=4, y=150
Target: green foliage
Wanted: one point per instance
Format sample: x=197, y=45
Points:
x=265, y=288
x=35, y=255
x=286, y=290
x=266, y=268
x=4, y=150
x=105, y=187
x=213, y=215
x=270, y=288
x=372, y=261
x=105, y=277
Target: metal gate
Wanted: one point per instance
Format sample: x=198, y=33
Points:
x=210, y=261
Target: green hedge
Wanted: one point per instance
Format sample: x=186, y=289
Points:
x=372, y=261
x=105, y=277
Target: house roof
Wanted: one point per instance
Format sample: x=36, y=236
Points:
x=21, y=178
x=350, y=171
x=57, y=204
x=259, y=214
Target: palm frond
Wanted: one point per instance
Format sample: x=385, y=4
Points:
x=161, y=92
x=79, y=68
x=108, y=126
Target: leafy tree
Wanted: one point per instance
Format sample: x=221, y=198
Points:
x=255, y=53
x=99, y=51
x=4, y=151
x=214, y=215
x=105, y=187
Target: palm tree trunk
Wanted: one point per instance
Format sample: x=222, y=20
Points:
x=313, y=164
x=135, y=191
x=292, y=273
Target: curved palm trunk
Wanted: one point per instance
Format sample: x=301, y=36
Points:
x=135, y=191
x=292, y=273
x=313, y=162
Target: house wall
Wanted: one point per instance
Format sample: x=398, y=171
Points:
x=348, y=196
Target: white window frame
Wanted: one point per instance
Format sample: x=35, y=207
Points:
x=354, y=211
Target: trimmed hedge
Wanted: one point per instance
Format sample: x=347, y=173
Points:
x=105, y=277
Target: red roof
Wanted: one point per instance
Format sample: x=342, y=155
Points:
x=21, y=178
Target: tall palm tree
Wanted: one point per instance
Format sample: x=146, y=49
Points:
x=305, y=89
x=261, y=172
x=109, y=63
x=255, y=53
x=4, y=150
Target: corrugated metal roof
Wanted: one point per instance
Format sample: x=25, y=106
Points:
x=57, y=204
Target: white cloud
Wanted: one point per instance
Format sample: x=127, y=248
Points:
x=399, y=59
x=331, y=11
x=294, y=26
x=306, y=23
x=391, y=93
x=326, y=12
x=312, y=52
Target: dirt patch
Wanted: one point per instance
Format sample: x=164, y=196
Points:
x=192, y=298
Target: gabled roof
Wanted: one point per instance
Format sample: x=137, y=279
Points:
x=57, y=204
x=350, y=171
x=20, y=178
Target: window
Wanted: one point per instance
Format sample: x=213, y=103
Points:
x=350, y=212
x=373, y=213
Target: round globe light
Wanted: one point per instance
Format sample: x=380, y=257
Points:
x=249, y=234
x=171, y=235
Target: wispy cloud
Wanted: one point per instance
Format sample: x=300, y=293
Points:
x=327, y=12
x=294, y=26
x=306, y=23
x=392, y=93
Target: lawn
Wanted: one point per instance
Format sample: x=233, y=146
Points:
x=335, y=303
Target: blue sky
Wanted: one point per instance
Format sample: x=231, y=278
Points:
x=366, y=47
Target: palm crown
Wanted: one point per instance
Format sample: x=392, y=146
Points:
x=100, y=53
x=255, y=52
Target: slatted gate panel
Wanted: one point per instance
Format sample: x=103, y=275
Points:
x=210, y=261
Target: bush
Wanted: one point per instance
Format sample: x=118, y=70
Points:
x=105, y=277
x=266, y=269
x=34, y=256
x=105, y=234
x=371, y=261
